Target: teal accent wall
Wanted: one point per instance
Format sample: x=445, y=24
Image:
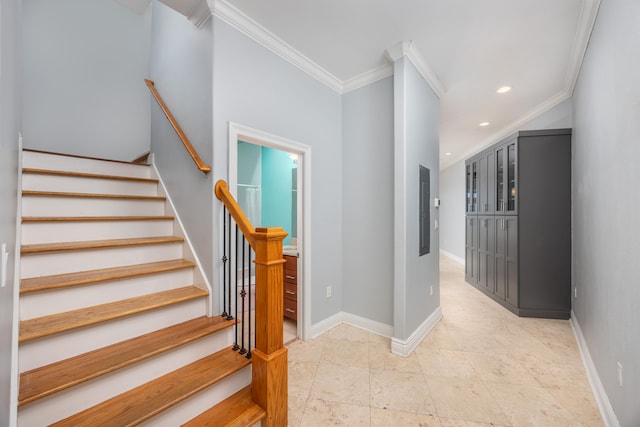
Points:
x=276, y=190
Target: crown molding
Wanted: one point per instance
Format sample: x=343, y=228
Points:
x=246, y=25
x=408, y=49
x=586, y=22
x=367, y=78
x=509, y=129
x=199, y=13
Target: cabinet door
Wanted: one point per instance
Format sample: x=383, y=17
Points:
x=468, y=187
x=500, y=258
x=474, y=186
x=471, y=250
x=511, y=252
x=512, y=178
x=486, y=251
x=486, y=177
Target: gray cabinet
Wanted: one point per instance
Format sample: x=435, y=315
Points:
x=519, y=248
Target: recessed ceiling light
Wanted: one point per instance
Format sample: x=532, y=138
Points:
x=484, y=124
x=447, y=154
x=504, y=89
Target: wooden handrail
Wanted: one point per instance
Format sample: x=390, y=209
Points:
x=185, y=141
x=223, y=194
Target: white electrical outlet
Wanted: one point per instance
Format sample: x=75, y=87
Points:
x=575, y=293
x=435, y=224
x=328, y=291
x=620, y=374
x=431, y=290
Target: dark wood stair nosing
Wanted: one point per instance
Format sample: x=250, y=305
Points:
x=68, y=373
x=90, y=277
x=38, y=193
x=75, y=156
x=36, y=171
x=35, y=248
x=48, y=219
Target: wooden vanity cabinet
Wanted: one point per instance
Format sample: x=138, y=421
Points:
x=291, y=287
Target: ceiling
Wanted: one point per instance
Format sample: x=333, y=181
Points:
x=465, y=49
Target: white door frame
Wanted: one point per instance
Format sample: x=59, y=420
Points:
x=239, y=132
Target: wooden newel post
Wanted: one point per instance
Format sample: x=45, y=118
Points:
x=270, y=382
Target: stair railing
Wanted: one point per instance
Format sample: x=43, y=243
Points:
x=174, y=123
x=269, y=356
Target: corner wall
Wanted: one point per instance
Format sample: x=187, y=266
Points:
x=10, y=123
x=606, y=230
x=416, y=122
x=181, y=66
x=367, y=201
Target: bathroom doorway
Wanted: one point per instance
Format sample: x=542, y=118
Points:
x=268, y=176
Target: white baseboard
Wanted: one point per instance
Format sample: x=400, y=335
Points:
x=452, y=256
x=606, y=410
x=368, y=325
x=406, y=347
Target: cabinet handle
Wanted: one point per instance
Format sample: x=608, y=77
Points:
x=290, y=310
x=290, y=292
x=290, y=277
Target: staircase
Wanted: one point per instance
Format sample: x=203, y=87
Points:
x=114, y=325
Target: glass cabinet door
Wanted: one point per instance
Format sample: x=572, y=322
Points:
x=499, y=183
x=474, y=187
x=468, y=187
x=511, y=179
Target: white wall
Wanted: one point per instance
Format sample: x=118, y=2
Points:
x=452, y=185
x=452, y=210
x=10, y=117
x=416, y=124
x=606, y=230
x=83, y=68
x=181, y=67
x=367, y=201
x=256, y=88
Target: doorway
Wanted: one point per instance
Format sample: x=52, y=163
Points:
x=270, y=178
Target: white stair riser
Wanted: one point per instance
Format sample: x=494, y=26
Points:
x=44, y=303
x=72, y=184
x=74, y=164
x=68, y=402
x=43, y=351
x=79, y=206
x=80, y=231
x=47, y=264
x=200, y=402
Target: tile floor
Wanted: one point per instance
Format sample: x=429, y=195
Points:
x=480, y=366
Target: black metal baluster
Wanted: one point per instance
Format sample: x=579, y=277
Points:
x=229, y=316
x=243, y=293
x=250, y=319
x=235, y=289
x=224, y=263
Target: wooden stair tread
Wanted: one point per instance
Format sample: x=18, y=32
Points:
x=143, y=402
x=58, y=281
x=46, y=380
x=89, y=195
x=87, y=175
x=48, y=325
x=76, y=156
x=95, y=218
x=97, y=244
x=238, y=410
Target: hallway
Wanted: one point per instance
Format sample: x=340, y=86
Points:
x=481, y=366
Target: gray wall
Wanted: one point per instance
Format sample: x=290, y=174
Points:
x=10, y=117
x=256, y=88
x=452, y=185
x=367, y=201
x=181, y=66
x=452, y=210
x=83, y=92
x=606, y=230
x=416, y=118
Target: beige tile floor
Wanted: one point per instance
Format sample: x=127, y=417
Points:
x=480, y=366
